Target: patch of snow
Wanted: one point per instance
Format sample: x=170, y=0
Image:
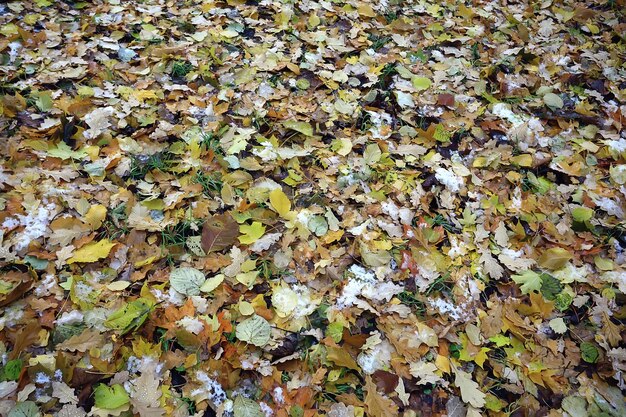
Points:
x=278, y=395
x=211, y=389
x=376, y=357
x=41, y=378
x=35, y=224
x=266, y=409
x=610, y=206
x=364, y=283
x=449, y=179
x=10, y=223
x=617, y=145
x=191, y=324
x=12, y=315
x=14, y=50
x=446, y=307
x=45, y=286
x=503, y=111
x=73, y=317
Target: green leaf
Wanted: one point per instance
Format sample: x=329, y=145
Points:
x=550, y=286
x=563, y=301
x=44, y=101
x=552, y=100
x=303, y=84
x=372, y=154
x=335, y=331
x=529, y=281
x=558, y=325
x=110, y=398
x=302, y=127
x=25, y=409
x=64, y=152
x=441, y=134
x=582, y=214
x=589, y=352
x=187, y=281
x=318, y=225
x=131, y=316
x=500, y=340
x=421, y=83
x=245, y=407
x=12, y=370
x=255, y=330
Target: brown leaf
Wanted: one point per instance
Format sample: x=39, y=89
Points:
x=377, y=404
x=341, y=357
x=82, y=342
x=445, y=100
x=21, y=281
x=610, y=330
x=219, y=232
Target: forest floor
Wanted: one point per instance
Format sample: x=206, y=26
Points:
x=312, y=208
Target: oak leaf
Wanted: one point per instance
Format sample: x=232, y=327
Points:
x=377, y=404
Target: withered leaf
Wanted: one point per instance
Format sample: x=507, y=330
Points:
x=82, y=342
x=377, y=404
x=219, y=232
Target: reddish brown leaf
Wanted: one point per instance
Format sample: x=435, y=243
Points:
x=219, y=232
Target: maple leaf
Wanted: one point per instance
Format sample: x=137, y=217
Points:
x=251, y=233
x=377, y=404
x=529, y=281
x=424, y=372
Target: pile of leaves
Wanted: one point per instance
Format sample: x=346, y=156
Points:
x=301, y=208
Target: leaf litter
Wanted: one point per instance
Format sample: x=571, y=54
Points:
x=338, y=208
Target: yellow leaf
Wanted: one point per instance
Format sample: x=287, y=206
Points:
x=341, y=357
x=251, y=232
x=95, y=216
x=442, y=363
x=92, y=252
x=554, y=258
x=118, y=285
x=523, y=160
x=280, y=202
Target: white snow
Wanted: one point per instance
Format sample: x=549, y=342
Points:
x=211, y=389
x=266, y=409
x=376, y=357
x=617, y=145
x=73, y=317
x=191, y=324
x=610, y=206
x=278, y=395
x=35, y=224
x=10, y=223
x=45, y=286
x=364, y=283
x=503, y=111
x=446, y=307
x=449, y=179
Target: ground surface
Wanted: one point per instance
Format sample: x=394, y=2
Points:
x=307, y=208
